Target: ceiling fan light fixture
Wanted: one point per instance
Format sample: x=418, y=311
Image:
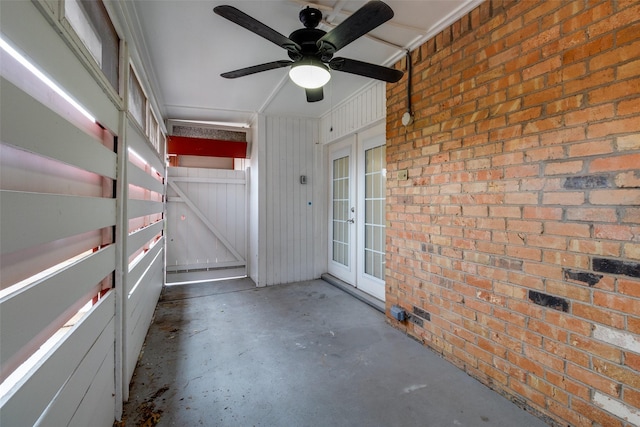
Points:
x=310, y=73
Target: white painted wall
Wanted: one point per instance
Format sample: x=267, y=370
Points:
x=287, y=218
x=205, y=162
x=362, y=110
x=255, y=263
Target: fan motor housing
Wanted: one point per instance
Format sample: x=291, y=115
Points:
x=307, y=39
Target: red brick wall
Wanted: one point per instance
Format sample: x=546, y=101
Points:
x=515, y=242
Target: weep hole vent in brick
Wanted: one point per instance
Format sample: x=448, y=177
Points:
x=419, y=316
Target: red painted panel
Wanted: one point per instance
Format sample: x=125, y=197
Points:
x=184, y=145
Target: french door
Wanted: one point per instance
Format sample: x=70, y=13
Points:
x=357, y=211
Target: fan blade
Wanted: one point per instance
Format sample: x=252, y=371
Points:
x=314, y=95
x=257, y=27
x=363, y=20
x=366, y=69
x=256, y=69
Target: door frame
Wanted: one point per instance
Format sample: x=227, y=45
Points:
x=345, y=147
x=370, y=138
x=354, y=146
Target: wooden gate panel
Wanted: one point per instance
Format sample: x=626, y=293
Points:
x=206, y=219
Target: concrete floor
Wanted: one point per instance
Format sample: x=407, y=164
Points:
x=305, y=354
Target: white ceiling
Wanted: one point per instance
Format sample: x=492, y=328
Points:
x=184, y=46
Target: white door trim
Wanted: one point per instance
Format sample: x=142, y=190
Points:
x=344, y=148
x=371, y=138
x=355, y=146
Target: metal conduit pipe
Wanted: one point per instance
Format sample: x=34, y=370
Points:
x=407, y=117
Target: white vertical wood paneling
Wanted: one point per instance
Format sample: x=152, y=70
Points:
x=296, y=213
x=319, y=191
x=291, y=209
x=289, y=153
x=255, y=180
x=356, y=113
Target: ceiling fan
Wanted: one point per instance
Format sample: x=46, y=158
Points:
x=311, y=50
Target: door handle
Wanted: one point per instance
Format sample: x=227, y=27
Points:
x=351, y=221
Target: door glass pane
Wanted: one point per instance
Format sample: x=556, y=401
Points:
x=341, y=205
x=375, y=189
